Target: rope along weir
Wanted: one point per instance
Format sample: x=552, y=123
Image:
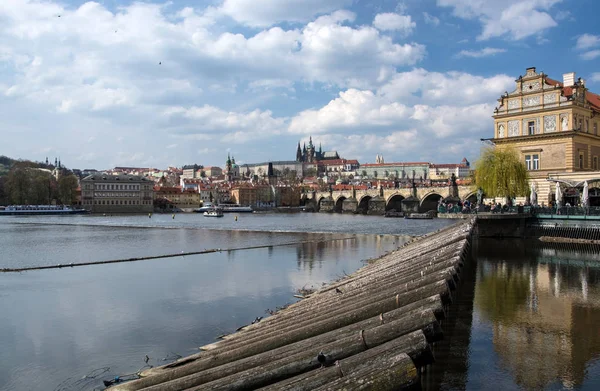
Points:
x=136, y=259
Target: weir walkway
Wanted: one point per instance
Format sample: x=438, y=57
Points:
x=374, y=329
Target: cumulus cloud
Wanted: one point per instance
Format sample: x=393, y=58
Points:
x=485, y=52
x=239, y=127
x=586, y=42
x=409, y=111
x=264, y=13
x=394, y=22
x=516, y=19
x=430, y=19
x=592, y=54
x=353, y=108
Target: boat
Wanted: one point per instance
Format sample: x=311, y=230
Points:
x=415, y=216
x=28, y=210
x=215, y=212
x=225, y=208
x=235, y=208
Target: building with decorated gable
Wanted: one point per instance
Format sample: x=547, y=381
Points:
x=554, y=127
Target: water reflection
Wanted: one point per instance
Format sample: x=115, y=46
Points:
x=62, y=324
x=542, y=304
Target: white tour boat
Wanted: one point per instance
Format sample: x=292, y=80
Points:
x=26, y=210
x=213, y=213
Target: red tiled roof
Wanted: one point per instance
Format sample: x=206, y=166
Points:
x=335, y=162
x=395, y=164
x=448, y=165
x=593, y=99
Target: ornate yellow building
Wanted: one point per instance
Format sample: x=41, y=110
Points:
x=554, y=126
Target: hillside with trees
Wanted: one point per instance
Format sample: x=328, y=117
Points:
x=23, y=182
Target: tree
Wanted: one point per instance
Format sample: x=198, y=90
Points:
x=501, y=173
x=310, y=172
x=67, y=185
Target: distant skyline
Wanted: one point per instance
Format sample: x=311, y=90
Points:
x=170, y=83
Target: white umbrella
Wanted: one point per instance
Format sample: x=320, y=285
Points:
x=585, y=198
x=533, y=196
x=558, y=195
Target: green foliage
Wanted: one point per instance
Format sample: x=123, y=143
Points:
x=501, y=295
x=501, y=173
x=67, y=186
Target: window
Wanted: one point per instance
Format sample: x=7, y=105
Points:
x=531, y=128
x=536, y=162
x=595, y=162
x=596, y=128
x=580, y=160
x=532, y=162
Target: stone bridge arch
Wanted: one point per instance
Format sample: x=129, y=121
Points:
x=339, y=204
x=363, y=204
x=430, y=201
x=395, y=202
x=471, y=197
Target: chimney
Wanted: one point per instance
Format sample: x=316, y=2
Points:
x=569, y=79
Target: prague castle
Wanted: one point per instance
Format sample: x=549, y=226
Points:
x=554, y=126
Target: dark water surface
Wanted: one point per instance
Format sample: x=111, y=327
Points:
x=527, y=318
x=71, y=328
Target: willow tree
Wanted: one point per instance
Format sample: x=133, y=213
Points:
x=501, y=173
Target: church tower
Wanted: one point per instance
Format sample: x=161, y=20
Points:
x=310, y=151
x=298, y=153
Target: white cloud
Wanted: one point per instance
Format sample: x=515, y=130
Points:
x=353, y=108
x=595, y=77
x=410, y=111
x=587, y=41
x=516, y=19
x=394, y=22
x=430, y=19
x=423, y=87
x=485, y=52
x=264, y=13
x=195, y=122
x=592, y=54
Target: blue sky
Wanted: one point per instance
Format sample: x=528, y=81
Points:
x=120, y=83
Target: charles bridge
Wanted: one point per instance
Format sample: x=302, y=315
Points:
x=378, y=201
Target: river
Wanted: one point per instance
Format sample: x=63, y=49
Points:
x=526, y=317
x=71, y=328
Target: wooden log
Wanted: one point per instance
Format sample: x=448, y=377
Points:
x=350, y=313
x=344, y=303
x=412, y=344
x=357, y=296
x=308, y=360
x=384, y=373
x=208, y=367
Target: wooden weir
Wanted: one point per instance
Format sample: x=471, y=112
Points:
x=371, y=330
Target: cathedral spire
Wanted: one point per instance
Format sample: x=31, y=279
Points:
x=298, y=153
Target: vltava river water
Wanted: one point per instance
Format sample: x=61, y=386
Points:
x=71, y=328
x=527, y=318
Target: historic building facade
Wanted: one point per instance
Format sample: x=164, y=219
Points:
x=554, y=126
x=404, y=171
x=103, y=193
